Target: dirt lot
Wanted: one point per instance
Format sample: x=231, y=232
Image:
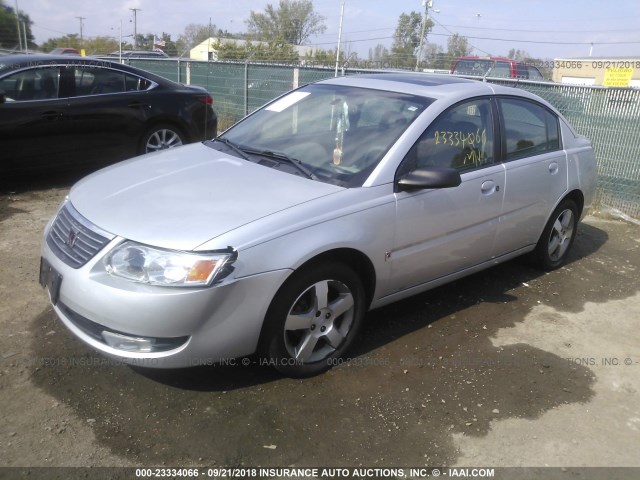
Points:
x=509, y=367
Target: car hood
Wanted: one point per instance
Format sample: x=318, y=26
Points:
x=181, y=198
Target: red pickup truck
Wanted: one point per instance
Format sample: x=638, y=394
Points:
x=495, y=67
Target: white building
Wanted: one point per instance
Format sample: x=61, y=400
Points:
x=207, y=51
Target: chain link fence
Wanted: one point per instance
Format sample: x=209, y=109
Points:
x=610, y=117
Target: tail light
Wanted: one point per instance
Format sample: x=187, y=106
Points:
x=206, y=100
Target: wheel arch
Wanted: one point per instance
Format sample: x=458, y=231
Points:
x=356, y=260
x=578, y=197
x=164, y=122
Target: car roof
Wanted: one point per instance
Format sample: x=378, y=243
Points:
x=487, y=58
x=432, y=86
x=39, y=59
x=439, y=87
x=416, y=78
x=17, y=62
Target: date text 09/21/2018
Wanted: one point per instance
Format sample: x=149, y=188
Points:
x=578, y=64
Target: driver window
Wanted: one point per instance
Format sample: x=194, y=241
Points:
x=461, y=138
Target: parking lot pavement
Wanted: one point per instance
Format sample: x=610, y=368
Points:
x=508, y=367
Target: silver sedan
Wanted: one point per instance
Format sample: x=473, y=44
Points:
x=339, y=197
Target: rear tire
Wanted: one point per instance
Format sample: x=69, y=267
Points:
x=313, y=319
x=558, y=236
x=161, y=137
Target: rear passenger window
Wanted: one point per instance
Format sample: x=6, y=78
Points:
x=98, y=81
x=530, y=129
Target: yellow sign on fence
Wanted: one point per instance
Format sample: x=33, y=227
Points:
x=617, y=77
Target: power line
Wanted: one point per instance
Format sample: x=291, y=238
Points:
x=512, y=40
x=444, y=26
x=479, y=49
x=540, y=31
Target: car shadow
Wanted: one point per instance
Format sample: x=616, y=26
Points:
x=36, y=181
x=423, y=369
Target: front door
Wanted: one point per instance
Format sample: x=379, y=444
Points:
x=443, y=231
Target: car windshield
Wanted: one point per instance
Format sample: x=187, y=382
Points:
x=330, y=133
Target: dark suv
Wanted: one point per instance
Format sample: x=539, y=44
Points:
x=495, y=67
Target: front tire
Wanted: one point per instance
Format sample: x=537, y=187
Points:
x=558, y=236
x=313, y=319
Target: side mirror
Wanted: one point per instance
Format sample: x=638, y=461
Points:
x=431, y=177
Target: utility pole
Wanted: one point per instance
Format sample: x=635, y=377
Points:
x=135, y=27
x=18, y=25
x=427, y=4
x=81, y=19
x=339, y=39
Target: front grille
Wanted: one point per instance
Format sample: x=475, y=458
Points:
x=74, y=239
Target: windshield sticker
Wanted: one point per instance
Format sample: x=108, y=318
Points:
x=287, y=101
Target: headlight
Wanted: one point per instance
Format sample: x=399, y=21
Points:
x=155, y=266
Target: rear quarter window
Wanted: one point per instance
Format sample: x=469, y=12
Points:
x=529, y=128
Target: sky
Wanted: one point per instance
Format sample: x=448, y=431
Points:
x=545, y=29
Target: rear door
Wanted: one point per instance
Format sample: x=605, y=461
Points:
x=108, y=111
x=536, y=171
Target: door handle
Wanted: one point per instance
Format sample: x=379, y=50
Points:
x=553, y=168
x=489, y=187
x=137, y=105
x=52, y=115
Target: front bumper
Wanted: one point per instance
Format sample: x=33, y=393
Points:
x=189, y=326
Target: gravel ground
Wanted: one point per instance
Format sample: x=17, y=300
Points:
x=509, y=367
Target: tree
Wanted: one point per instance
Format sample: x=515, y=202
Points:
x=193, y=35
x=72, y=40
x=92, y=46
x=293, y=22
x=435, y=57
x=100, y=45
x=458, y=46
x=323, y=57
x=9, y=28
x=271, y=52
x=170, y=47
x=519, y=55
x=406, y=38
x=379, y=54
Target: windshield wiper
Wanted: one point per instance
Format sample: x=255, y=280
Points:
x=232, y=146
x=282, y=156
x=266, y=153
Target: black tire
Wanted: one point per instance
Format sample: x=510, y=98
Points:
x=558, y=236
x=161, y=137
x=313, y=320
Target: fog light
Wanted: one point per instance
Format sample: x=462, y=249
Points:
x=128, y=344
